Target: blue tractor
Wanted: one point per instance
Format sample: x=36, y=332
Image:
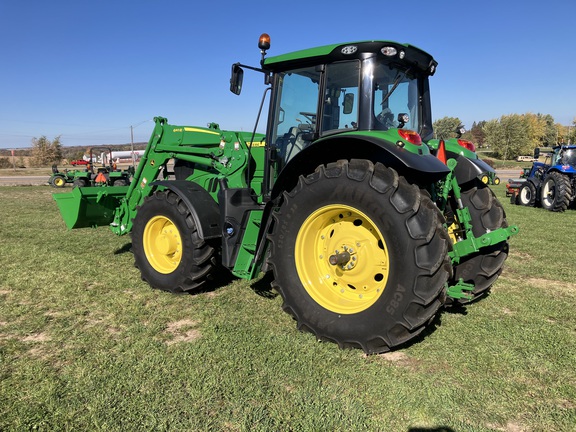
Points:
x=552, y=183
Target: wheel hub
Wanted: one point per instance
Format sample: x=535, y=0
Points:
x=342, y=259
x=345, y=260
x=162, y=244
x=166, y=242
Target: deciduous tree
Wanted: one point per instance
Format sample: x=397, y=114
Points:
x=445, y=128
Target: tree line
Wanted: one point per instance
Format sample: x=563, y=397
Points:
x=507, y=137
x=45, y=152
x=511, y=135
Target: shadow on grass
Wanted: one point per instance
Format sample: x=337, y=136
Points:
x=263, y=286
x=455, y=308
x=124, y=249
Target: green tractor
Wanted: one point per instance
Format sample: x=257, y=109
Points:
x=100, y=171
x=367, y=230
x=59, y=179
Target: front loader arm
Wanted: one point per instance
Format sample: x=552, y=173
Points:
x=148, y=169
x=211, y=150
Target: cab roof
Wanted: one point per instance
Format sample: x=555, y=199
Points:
x=405, y=54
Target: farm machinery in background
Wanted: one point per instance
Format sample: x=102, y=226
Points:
x=550, y=184
x=367, y=226
x=101, y=169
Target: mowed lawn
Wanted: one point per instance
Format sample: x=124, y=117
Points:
x=86, y=345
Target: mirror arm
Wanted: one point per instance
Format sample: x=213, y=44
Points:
x=250, y=67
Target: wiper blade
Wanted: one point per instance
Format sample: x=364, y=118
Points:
x=397, y=80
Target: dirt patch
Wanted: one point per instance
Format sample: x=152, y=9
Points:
x=400, y=359
x=553, y=285
x=509, y=427
x=507, y=311
x=36, y=337
x=182, y=331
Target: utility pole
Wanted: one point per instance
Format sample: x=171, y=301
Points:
x=132, y=145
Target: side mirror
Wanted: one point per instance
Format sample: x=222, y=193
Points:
x=348, y=103
x=236, y=79
x=536, y=153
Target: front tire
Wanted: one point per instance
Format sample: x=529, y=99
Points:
x=167, y=249
x=57, y=181
x=360, y=256
x=527, y=195
x=556, y=192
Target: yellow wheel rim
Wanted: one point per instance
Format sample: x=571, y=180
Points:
x=342, y=259
x=59, y=181
x=485, y=179
x=162, y=244
x=496, y=181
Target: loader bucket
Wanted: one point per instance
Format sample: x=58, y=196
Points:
x=90, y=206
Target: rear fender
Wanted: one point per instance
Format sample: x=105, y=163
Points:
x=424, y=168
x=202, y=206
x=468, y=169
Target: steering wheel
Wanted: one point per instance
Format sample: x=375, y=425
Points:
x=386, y=117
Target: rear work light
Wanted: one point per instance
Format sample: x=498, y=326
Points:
x=410, y=136
x=469, y=145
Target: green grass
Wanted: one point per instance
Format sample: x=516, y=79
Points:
x=86, y=345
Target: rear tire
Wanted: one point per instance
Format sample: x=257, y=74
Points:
x=556, y=192
x=167, y=249
x=120, y=182
x=81, y=182
x=482, y=268
x=391, y=248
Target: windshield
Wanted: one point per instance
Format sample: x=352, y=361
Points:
x=370, y=94
x=567, y=157
x=395, y=93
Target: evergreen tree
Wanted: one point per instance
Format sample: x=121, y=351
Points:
x=46, y=152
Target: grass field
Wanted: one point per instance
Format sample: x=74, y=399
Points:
x=86, y=345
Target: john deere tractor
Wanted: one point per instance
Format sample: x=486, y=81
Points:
x=367, y=230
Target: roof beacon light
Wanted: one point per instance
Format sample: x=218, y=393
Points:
x=389, y=51
x=264, y=42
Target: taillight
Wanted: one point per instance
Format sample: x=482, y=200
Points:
x=410, y=136
x=467, y=145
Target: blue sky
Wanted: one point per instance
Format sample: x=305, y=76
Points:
x=88, y=70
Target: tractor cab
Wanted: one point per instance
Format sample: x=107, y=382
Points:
x=373, y=95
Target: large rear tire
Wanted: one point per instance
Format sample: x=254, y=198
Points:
x=556, y=192
x=482, y=268
x=167, y=249
x=359, y=256
x=81, y=182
